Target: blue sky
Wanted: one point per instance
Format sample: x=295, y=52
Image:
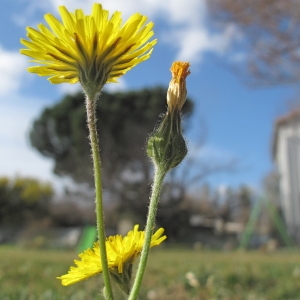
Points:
x=238, y=121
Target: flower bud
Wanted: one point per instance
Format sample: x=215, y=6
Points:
x=176, y=95
x=166, y=146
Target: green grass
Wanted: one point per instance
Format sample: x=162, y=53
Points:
x=31, y=275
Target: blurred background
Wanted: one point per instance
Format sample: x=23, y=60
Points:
x=238, y=188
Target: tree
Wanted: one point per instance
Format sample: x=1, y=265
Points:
x=124, y=123
x=270, y=37
x=22, y=199
x=272, y=188
x=245, y=196
x=176, y=199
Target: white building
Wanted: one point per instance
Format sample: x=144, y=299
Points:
x=286, y=153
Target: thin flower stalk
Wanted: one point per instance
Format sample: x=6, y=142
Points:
x=154, y=199
x=167, y=148
x=93, y=50
x=91, y=121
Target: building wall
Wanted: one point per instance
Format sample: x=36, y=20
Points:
x=288, y=162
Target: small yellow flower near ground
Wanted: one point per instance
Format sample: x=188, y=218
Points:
x=88, y=48
x=121, y=254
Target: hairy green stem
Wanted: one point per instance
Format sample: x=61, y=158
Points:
x=91, y=120
x=155, y=194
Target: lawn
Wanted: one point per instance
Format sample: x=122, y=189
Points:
x=31, y=274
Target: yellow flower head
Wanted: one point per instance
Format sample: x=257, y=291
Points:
x=177, y=92
x=90, y=49
x=121, y=252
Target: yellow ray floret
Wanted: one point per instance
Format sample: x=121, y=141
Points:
x=120, y=251
x=84, y=48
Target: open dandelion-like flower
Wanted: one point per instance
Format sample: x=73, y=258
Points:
x=121, y=253
x=90, y=49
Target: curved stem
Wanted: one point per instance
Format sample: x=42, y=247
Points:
x=91, y=120
x=156, y=189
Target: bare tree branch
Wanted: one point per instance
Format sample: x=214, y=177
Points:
x=271, y=37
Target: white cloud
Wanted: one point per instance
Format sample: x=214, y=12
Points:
x=209, y=153
x=116, y=87
x=171, y=11
x=184, y=22
x=17, y=157
x=12, y=71
x=31, y=13
x=197, y=39
x=67, y=88
x=193, y=40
